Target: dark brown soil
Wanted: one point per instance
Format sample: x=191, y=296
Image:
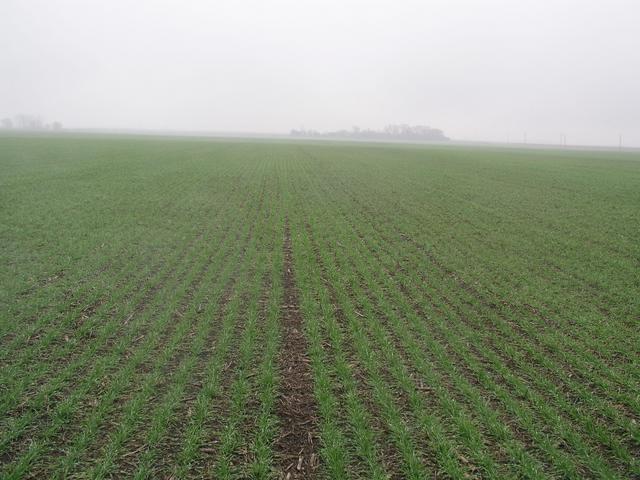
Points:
x=296, y=408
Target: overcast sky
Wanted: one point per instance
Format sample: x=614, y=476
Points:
x=478, y=69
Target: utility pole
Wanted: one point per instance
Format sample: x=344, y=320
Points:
x=525, y=138
x=620, y=141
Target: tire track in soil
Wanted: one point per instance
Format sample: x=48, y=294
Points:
x=295, y=448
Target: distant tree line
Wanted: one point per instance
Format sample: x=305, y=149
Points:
x=29, y=122
x=390, y=132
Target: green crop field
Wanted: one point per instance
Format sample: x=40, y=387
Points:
x=199, y=308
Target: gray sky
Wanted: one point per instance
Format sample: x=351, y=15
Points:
x=480, y=70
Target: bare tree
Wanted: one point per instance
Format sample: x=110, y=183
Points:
x=28, y=122
x=390, y=132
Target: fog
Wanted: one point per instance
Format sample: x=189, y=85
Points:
x=490, y=70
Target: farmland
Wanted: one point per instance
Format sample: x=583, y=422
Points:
x=198, y=308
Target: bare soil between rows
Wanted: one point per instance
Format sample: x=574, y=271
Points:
x=296, y=447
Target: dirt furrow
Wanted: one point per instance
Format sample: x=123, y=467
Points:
x=296, y=446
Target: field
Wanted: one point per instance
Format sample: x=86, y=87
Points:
x=198, y=308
